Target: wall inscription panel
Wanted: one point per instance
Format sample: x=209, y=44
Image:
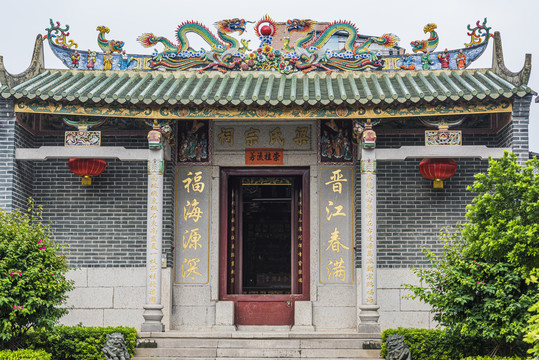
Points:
x=193, y=213
x=336, y=225
x=237, y=137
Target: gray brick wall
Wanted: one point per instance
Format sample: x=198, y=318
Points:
x=505, y=136
x=23, y=175
x=7, y=154
x=104, y=224
x=489, y=140
x=519, y=124
x=410, y=212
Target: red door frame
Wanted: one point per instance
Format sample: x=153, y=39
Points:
x=275, y=306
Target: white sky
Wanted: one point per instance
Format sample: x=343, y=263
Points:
x=517, y=21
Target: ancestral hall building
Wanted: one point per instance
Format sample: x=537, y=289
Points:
x=291, y=185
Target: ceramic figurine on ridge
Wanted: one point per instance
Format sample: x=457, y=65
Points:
x=426, y=60
x=107, y=61
x=90, y=63
x=124, y=62
x=444, y=59
x=75, y=58
x=407, y=62
x=461, y=60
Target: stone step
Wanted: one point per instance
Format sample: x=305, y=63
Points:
x=261, y=353
x=258, y=334
x=255, y=358
x=246, y=345
x=259, y=343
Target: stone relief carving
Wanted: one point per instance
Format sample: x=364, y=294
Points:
x=114, y=348
x=397, y=349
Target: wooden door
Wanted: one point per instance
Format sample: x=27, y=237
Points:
x=264, y=243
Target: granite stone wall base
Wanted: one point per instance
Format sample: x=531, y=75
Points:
x=112, y=297
x=395, y=309
x=334, y=317
x=115, y=296
x=189, y=317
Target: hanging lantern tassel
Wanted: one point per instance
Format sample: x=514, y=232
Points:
x=87, y=168
x=438, y=170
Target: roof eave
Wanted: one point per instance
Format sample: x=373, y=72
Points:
x=498, y=65
x=36, y=65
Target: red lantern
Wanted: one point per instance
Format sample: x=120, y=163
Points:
x=87, y=168
x=438, y=170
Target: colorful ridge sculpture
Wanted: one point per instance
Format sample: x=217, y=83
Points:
x=427, y=45
x=480, y=34
x=310, y=52
x=108, y=45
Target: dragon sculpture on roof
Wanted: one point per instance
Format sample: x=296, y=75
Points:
x=310, y=53
x=182, y=56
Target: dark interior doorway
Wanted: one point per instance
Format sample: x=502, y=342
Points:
x=267, y=235
x=264, y=243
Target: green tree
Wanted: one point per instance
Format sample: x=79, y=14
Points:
x=479, y=286
x=532, y=335
x=33, y=285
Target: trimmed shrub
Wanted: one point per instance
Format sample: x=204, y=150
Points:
x=24, y=355
x=80, y=343
x=495, y=358
x=33, y=285
x=532, y=336
x=426, y=344
x=481, y=285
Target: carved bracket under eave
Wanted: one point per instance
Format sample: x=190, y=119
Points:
x=498, y=65
x=37, y=63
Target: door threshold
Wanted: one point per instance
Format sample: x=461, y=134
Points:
x=263, y=328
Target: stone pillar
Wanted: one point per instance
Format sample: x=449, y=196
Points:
x=153, y=309
x=368, y=309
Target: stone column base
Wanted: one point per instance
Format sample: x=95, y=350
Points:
x=153, y=313
x=368, y=317
x=224, y=316
x=303, y=317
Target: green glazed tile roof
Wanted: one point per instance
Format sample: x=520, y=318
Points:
x=167, y=88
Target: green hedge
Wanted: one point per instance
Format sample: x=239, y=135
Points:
x=24, y=355
x=495, y=358
x=78, y=342
x=426, y=344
